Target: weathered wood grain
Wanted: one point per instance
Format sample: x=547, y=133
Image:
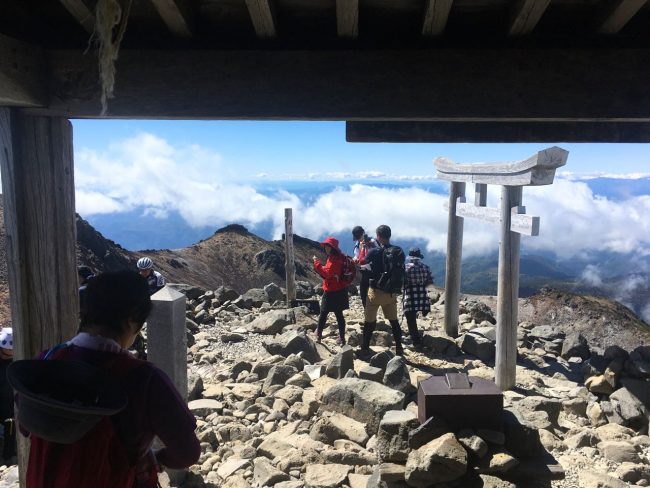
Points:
x=347, y=18
x=176, y=15
x=262, y=14
x=526, y=14
x=38, y=191
x=22, y=69
x=539, y=169
x=290, y=263
x=519, y=221
x=82, y=13
x=507, y=292
x=436, y=13
x=454, y=257
x=619, y=13
x=534, y=85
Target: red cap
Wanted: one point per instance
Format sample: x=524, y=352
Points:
x=333, y=242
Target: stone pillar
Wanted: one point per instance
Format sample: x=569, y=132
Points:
x=167, y=336
x=454, y=255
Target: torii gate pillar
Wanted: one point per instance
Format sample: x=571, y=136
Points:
x=536, y=170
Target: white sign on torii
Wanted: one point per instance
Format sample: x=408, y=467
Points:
x=534, y=171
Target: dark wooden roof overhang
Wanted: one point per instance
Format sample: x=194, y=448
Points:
x=400, y=70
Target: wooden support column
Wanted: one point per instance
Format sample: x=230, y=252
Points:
x=507, y=291
x=38, y=191
x=454, y=255
x=289, y=264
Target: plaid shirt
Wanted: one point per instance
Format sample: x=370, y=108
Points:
x=418, y=276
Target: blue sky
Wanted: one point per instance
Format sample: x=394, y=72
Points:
x=249, y=148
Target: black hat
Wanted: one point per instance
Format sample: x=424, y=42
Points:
x=60, y=401
x=415, y=252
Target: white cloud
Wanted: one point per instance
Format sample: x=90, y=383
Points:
x=146, y=171
x=645, y=313
x=591, y=275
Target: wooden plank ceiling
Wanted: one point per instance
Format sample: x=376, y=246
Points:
x=190, y=24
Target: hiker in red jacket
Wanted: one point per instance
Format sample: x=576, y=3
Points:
x=335, y=293
x=117, y=451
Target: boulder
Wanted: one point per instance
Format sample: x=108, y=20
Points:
x=273, y=293
x=278, y=375
x=629, y=407
x=545, y=332
x=522, y=438
x=599, y=384
x=497, y=462
x=204, y=407
x=326, y=475
x=431, y=429
x=265, y=474
x=292, y=342
x=380, y=360
x=478, y=311
x=348, y=428
x=290, y=394
x=304, y=290
x=591, y=479
x=397, y=376
x=224, y=294
x=575, y=345
x=619, y=451
x=341, y=363
x=363, y=400
x=392, y=436
x=614, y=432
x=257, y=296
x=371, y=373
x=314, y=371
x=477, y=345
x=270, y=323
x=473, y=443
x=441, y=460
x=439, y=344
x=595, y=414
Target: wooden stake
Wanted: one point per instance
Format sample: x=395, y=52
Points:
x=289, y=265
x=454, y=255
x=508, y=292
x=38, y=191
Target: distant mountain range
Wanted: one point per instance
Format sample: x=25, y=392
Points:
x=622, y=276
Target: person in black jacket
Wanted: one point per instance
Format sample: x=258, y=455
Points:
x=7, y=395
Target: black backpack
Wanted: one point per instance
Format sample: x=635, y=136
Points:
x=391, y=279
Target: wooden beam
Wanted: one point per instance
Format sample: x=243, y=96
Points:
x=539, y=169
x=453, y=261
x=619, y=13
x=507, y=292
x=22, y=74
x=82, y=13
x=39, y=215
x=498, y=130
x=289, y=257
x=347, y=18
x=176, y=16
x=518, y=85
x=436, y=13
x=519, y=221
x=262, y=14
x=526, y=15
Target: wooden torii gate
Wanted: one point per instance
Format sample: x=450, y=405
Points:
x=534, y=171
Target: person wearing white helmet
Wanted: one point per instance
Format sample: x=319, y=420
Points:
x=155, y=280
x=7, y=394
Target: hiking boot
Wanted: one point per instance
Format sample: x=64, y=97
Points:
x=319, y=335
x=341, y=341
x=399, y=350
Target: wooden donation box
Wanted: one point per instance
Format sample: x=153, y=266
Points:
x=461, y=401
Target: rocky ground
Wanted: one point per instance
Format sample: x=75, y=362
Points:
x=274, y=408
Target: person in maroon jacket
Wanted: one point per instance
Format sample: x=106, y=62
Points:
x=335, y=293
x=117, y=305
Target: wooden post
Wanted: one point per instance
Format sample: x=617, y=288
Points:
x=289, y=264
x=38, y=190
x=507, y=291
x=454, y=255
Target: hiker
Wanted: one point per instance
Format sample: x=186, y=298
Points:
x=386, y=279
x=117, y=451
x=361, y=248
x=335, y=293
x=154, y=279
x=7, y=395
x=85, y=274
x=415, y=298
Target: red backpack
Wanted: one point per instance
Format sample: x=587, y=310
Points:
x=97, y=460
x=348, y=271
